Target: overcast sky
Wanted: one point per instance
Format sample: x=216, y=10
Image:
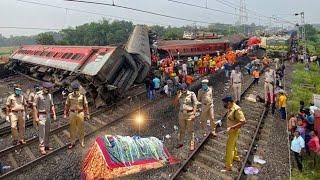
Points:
x=21, y=14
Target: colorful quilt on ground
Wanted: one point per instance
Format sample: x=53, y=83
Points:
x=113, y=156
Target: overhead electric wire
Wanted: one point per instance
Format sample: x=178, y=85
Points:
x=253, y=12
x=140, y=10
x=90, y=12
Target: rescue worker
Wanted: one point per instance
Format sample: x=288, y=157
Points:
x=205, y=63
x=76, y=102
x=212, y=66
x=16, y=111
x=235, y=120
x=237, y=82
x=42, y=106
x=187, y=110
x=205, y=96
x=268, y=84
x=36, y=89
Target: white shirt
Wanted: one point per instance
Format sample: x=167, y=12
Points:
x=297, y=144
x=313, y=108
x=196, y=59
x=166, y=89
x=184, y=67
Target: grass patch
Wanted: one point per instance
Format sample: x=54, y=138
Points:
x=301, y=76
x=6, y=51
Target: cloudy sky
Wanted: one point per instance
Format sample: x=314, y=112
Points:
x=22, y=13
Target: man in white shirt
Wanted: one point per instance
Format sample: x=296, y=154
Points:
x=184, y=67
x=297, y=146
x=166, y=89
x=313, y=108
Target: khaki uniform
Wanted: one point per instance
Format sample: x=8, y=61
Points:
x=17, y=103
x=234, y=116
x=76, y=105
x=206, y=99
x=269, y=79
x=43, y=102
x=237, y=84
x=30, y=101
x=186, y=117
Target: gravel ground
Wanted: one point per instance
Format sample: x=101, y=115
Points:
x=161, y=118
x=276, y=152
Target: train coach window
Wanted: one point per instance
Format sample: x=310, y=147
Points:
x=64, y=55
x=38, y=53
x=69, y=55
x=44, y=53
x=206, y=49
x=50, y=54
x=193, y=49
x=199, y=49
x=57, y=55
x=77, y=56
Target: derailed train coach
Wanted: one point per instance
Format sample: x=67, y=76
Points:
x=103, y=72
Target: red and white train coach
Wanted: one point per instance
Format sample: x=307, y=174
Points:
x=103, y=72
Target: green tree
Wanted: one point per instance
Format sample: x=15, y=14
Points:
x=45, y=39
x=311, y=33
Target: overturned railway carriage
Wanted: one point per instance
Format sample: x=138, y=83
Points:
x=103, y=72
x=139, y=47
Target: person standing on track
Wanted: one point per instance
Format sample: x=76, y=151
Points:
x=269, y=81
x=31, y=100
x=235, y=120
x=15, y=113
x=187, y=110
x=76, y=102
x=42, y=106
x=205, y=96
x=237, y=82
x=256, y=76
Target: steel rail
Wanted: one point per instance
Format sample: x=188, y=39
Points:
x=55, y=151
x=202, y=143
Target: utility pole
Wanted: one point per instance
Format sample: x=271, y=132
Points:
x=303, y=35
x=243, y=15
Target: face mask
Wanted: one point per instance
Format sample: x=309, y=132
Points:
x=18, y=92
x=225, y=105
x=204, y=87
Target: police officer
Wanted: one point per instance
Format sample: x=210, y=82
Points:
x=36, y=89
x=188, y=107
x=237, y=82
x=76, y=102
x=42, y=106
x=235, y=120
x=15, y=112
x=205, y=96
x=268, y=84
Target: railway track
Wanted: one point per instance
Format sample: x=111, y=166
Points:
x=22, y=157
x=209, y=157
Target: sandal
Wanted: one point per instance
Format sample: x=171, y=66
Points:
x=204, y=134
x=71, y=146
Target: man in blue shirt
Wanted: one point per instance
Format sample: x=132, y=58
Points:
x=156, y=81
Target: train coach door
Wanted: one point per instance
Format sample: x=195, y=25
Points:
x=94, y=52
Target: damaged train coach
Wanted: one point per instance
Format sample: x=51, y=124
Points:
x=104, y=72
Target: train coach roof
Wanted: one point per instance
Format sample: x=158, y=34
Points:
x=190, y=42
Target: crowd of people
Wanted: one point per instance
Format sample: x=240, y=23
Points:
x=303, y=134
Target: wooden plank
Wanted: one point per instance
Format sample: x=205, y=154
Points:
x=56, y=138
x=207, y=157
x=29, y=153
x=99, y=121
x=191, y=176
x=13, y=161
x=213, y=171
x=92, y=127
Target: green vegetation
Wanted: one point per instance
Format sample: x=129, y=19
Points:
x=106, y=32
x=301, y=76
x=6, y=51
